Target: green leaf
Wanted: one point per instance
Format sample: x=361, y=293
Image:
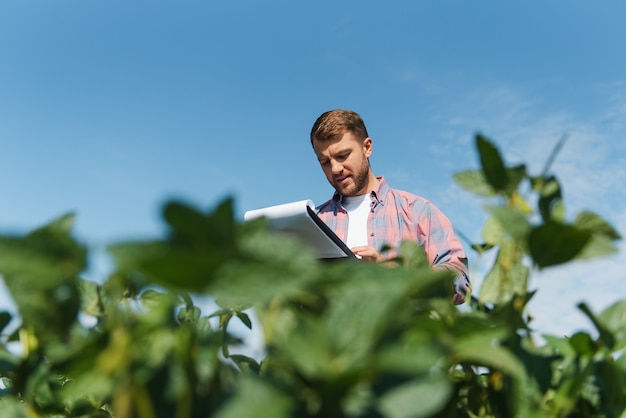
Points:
x=254, y=398
x=591, y=222
x=270, y=266
x=409, y=359
x=474, y=181
x=91, y=302
x=606, y=336
x=514, y=175
x=5, y=318
x=189, y=314
x=507, y=277
x=245, y=364
x=422, y=397
x=550, y=199
x=582, y=343
x=614, y=319
x=493, y=231
x=245, y=319
x=197, y=246
x=511, y=220
x=9, y=363
x=492, y=164
x=603, y=235
x=554, y=243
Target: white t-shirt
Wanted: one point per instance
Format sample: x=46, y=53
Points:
x=358, y=208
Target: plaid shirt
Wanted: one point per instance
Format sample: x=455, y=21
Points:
x=396, y=216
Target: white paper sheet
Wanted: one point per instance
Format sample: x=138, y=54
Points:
x=298, y=221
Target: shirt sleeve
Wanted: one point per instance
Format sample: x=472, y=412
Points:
x=444, y=250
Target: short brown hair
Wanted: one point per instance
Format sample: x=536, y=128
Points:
x=335, y=123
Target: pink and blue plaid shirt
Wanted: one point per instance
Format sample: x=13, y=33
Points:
x=397, y=216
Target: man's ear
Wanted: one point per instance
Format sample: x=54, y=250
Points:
x=367, y=146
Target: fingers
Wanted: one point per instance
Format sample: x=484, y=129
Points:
x=366, y=253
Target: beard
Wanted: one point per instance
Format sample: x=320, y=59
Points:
x=360, y=180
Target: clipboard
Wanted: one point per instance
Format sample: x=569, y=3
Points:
x=298, y=219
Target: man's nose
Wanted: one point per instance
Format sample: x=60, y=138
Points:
x=336, y=167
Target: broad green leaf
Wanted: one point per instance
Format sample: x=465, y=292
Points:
x=614, y=319
x=353, y=326
x=422, y=397
x=603, y=235
x=507, y=277
x=493, y=231
x=515, y=175
x=582, y=343
x=485, y=350
x=611, y=382
x=270, y=265
x=474, y=181
x=561, y=345
x=598, y=246
x=591, y=222
x=512, y=220
x=554, y=243
x=408, y=359
x=197, y=246
x=492, y=164
x=14, y=408
x=256, y=398
x=606, y=335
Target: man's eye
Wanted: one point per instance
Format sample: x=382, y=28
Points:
x=324, y=163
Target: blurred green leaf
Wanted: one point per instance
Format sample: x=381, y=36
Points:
x=474, y=181
x=606, y=336
x=507, y=277
x=591, y=222
x=91, y=302
x=40, y=271
x=614, y=319
x=492, y=164
x=409, y=359
x=493, y=231
x=582, y=343
x=5, y=318
x=255, y=397
x=611, y=381
x=245, y=364
x=421, y=397
x=245, y=319
x=554, y=243
x=511, y=220
x=550, y=199
x=484, y=349
x=270, y=265
x=197, y=246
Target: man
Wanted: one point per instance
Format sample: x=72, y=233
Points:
x=367, y=214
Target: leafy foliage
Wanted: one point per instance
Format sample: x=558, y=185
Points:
x=340, y=339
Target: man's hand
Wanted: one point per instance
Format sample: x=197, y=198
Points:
x=366, y=253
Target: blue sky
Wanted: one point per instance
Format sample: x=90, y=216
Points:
x=109, y=108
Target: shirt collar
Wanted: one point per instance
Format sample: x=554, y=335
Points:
x=377, y=195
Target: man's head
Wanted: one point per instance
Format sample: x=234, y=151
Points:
x=343, y=148
x=335, y=123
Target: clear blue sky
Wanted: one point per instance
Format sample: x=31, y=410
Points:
x=109, y=108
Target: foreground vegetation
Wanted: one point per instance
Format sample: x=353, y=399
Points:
x=340, y=339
